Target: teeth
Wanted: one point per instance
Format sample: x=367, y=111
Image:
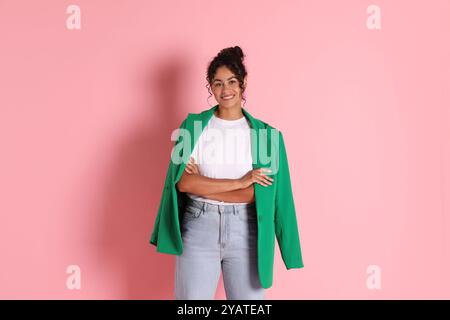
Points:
x=227, y=97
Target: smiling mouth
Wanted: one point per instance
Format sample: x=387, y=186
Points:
x=228, y=97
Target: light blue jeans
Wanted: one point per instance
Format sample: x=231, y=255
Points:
x=218, y=237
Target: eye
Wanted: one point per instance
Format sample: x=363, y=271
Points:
x=217, y=84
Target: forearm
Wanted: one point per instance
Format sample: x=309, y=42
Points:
x=203, y=186
x=241, y=195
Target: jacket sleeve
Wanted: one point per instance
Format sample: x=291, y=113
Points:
x=171, y=170
x=286, y=228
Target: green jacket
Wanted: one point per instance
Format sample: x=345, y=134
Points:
x=274, y=204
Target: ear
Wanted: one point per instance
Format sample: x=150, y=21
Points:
x=245, y=82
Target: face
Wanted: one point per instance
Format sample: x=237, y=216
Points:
x=225, y=87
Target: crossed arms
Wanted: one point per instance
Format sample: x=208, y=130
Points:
x=227, y=190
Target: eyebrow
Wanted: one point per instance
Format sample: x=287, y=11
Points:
x=227, y=79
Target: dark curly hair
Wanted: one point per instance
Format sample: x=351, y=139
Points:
x=232, y=58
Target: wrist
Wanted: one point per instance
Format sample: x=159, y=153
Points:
x=239, y=184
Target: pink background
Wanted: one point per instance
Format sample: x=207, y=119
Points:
x=86, y=117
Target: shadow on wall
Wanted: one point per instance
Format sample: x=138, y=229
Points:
x=132, y=190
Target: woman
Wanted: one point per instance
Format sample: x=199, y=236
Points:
x=220, y=224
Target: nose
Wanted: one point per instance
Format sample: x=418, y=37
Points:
x=226, y=85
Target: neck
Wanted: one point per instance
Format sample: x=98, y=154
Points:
x=231, y=113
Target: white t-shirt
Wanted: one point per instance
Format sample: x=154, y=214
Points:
x=223, y=151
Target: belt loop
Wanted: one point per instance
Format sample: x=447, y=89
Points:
x=204, y=207
x=234, y=209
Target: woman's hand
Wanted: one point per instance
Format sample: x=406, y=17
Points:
x=191, y=167
x=256, y=176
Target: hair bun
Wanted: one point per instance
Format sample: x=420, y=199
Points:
x=238, y=52
x=235, y=51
